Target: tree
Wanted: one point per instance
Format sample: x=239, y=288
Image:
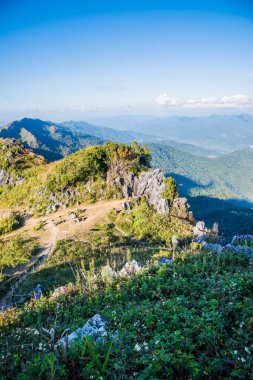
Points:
x=170, y=192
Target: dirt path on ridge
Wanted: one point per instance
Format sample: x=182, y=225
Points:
x=59, y=225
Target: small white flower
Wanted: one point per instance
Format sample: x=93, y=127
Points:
x=137, y=347
x=235, y=352
x=157, y=341
x=243, y=360
x=247, y=350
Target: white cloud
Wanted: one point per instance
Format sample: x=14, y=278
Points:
x=234, y=101
x=166, y=100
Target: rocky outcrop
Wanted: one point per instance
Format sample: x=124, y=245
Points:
x=239, y=243
x=149, y=184
x=242, y=240
x=180, y=205
x=9, y=179
x=200, y=232
x=130, y=269
x=65, y=199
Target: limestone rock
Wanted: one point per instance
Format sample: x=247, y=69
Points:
x=242, y=240
x=130, y=269
x=95, y=327
x=150, y=184
x=10, y=179
x=181, y=207
x=200, y=231
x=107, y=271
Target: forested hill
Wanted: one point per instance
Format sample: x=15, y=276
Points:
x=218, y=189
x=46, y=138
x=229, y=176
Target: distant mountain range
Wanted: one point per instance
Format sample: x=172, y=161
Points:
x=222, y=133
x=56, y=140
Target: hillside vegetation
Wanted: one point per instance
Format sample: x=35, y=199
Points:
x=46, y=138
x=224, y=177
x=65, y=181
x=167, y=308
x=15, y=158
x=218, y=189
x=200, y=326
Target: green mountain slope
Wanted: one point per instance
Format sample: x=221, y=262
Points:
x=218, y=189
x=46, y=138
x=229, y=176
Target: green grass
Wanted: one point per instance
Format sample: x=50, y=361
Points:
x=192, y=319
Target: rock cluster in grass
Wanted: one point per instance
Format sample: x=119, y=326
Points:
x=129, y=269
x=239, y=244
x=10, y=179
x=95, y=327
x=242, y=240
x=64, y=199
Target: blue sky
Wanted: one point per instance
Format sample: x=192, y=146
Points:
x=78, y=59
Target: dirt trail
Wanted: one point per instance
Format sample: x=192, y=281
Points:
x=21, y=269
x=65, y=228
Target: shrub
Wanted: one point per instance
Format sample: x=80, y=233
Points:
x=8, y=224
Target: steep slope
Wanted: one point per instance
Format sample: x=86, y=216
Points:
x=14, y=157
x=218, y=189
x=229, y=176
x=15, y=162
x=46, y=138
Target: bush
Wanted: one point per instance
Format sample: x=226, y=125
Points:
x=8, y=224
x=39, y=225
x=17, y=250
x=146, y=224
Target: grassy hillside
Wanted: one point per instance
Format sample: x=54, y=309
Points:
x=80, y=177
x=190, y=318
x=200, y=326
x=15, y=158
